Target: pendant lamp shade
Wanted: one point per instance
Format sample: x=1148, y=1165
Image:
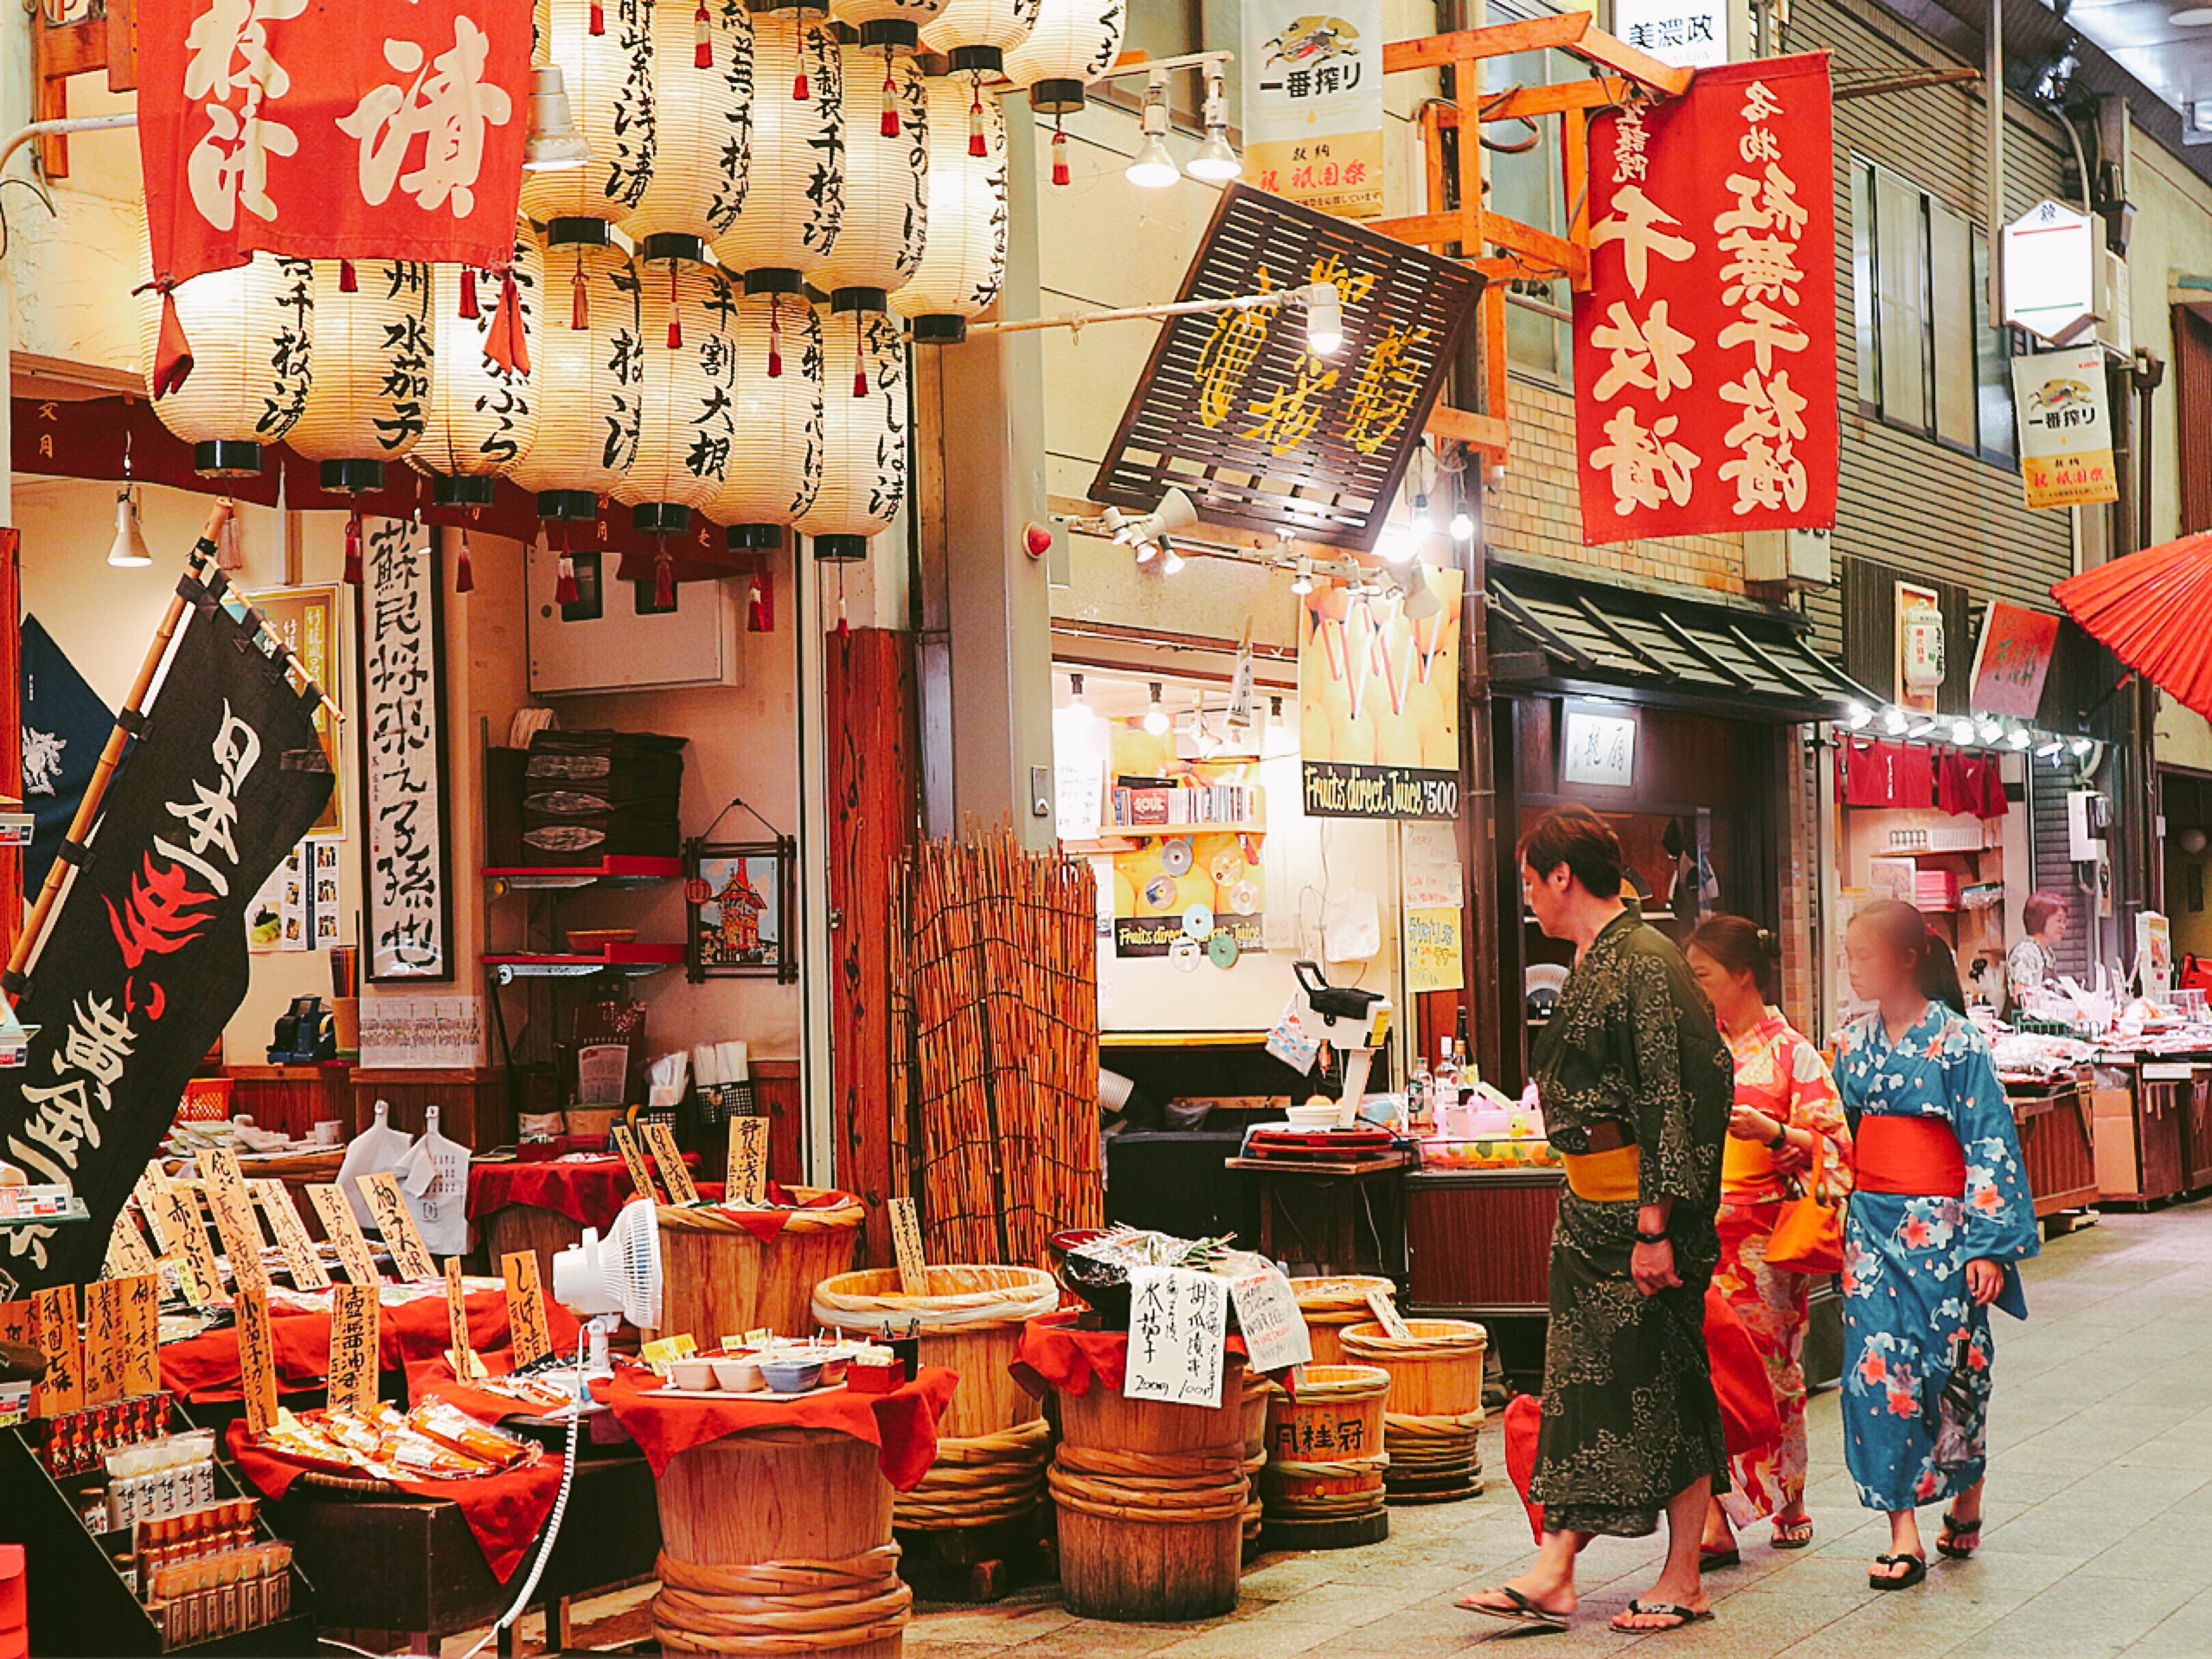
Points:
x=977, y=35
x=367, y=400
x=774, y=474
x=1074, y=42
x=604, y=50
x=794, y=188
x=863, y=434
x=588, y=372
x=886, y=22
x=482, y=419
x=964, y=260
x=702, y=119
x=252, y=330
x=686, y=433
x=880, y=239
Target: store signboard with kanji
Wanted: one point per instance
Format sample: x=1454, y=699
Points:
x=1689, y=34
x=1313, y=103
x=2013, y=660
x=2065, y=431
x=1705, y=349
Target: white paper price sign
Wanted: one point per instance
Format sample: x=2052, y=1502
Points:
x=1177, y=1322
x=1275, y=1335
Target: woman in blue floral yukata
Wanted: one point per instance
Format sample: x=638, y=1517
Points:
x=1937, y=1225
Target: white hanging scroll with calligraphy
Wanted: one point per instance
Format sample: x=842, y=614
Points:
x=407, y=884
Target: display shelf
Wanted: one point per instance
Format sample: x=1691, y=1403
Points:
x=632, y=960
x=616, y=870
x=1168, y=831
x=76, y=1212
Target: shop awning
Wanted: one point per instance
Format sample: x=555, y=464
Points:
x=1550, y=632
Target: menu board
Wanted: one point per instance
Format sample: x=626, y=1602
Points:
x=104, y=1300
x=233, y=1211
x=526, y=1334
x=746, y=1180
x=141, y=1333
x=668, y=1158
x=54, y=1314
x=1178, y=1322
x=179, y=1208
x=342, y=1228
x=354, y=1316
x=411, y=1257
x=641, y=1178
x=256, y=1359
x=301, y=1260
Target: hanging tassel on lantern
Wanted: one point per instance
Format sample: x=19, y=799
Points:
x=775, y=336
x=564, y=587
x=675, y=315
x=891, y=128
x=1060, y=175
x=759, y=608
x=599, y=18
x=464, y=572
x=469, y=313
x=348, y=282
x=506, y=342
x=230, y=553
x=579, y=299
x=663, y=578
x=860, y=358
x=799, y=82
x=844, y=628
x=702, y=39
x=353, y=548
x=976, y=145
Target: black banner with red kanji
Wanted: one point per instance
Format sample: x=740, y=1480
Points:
x=146, y=960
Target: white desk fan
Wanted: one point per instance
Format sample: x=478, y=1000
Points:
x=617, y=1277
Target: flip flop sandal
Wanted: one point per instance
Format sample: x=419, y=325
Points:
x=1714, y=1561
x=1960, y=1539
x=1792, y=1534
x=1682, y=1616
x=1524, y=1612
x=1915, y=1573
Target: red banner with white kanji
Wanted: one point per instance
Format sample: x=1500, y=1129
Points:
x=1705, y=349
x=331, y=129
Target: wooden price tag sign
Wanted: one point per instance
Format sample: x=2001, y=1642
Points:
x=461, y=1355
x=127, y=1255
x=905, y=1243
x=141, y=1333
x=527, y=1333
x=301, y=1261
x=668, y=1158
x=256, y=1359
x=54, y=1314
x=411, y=1257
x=1382, y=1305
x=234, y=1210
x=746, y=1180
x=342, y=1228
x=354, y=1318
x=104, y=1341
x=179, y=1208
x=148, y=1194
x=641, y=1178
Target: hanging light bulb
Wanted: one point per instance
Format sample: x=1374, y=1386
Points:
x=1424, y=524
x=1858, y=717
x=1894, y=722
x=1324, y=319
x=1462, y=529
x=554, y=145
x=1076, y=693
x=1174, y=561
x=1302, y=583
x=1155, y=717
x=1395, y=547
x=128, y=551
x=1153, y=168
x=2020, y=737
x=1216, y=161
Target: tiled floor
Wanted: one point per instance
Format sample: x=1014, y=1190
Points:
x=2100, y=1540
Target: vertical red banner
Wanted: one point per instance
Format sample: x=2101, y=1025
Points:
x=1705, y=349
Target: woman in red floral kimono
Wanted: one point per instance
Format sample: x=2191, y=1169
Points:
x=1784, y=1099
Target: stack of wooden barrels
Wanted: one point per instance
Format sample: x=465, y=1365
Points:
x=1323, y=1483
x=1435, y=1413
x=1331, y=1303
x=1257, y=1392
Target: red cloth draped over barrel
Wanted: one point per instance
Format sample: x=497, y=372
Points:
x=902, y=1425
x=589, y=1193
x=1055, y=1353
x=434, y=1380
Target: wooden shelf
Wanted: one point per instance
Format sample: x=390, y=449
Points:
x=616, y=870
x=633, y=959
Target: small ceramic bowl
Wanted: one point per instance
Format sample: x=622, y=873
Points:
x=692, y=1375
x=738, y=1374
x=834, y=1362
x=791, y=1377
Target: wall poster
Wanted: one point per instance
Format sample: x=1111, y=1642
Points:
x=1379, y=704
x=406, y=861
x=1313, y=103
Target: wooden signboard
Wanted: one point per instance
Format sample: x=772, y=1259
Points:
x=668, y=1158
x=527, y=1333
x=905, y=1243
x=746, y=1180
x=256, y=1359
x=411, y=1257
x=354, y=1318
x=342, y=1228
x=127, y=1255
x=301, y=1261
x=141, y=1333
x=641, y=1178
x=104, y=1299
x=179, y=1208
x=148, y=1193
x=54, y=1314
x=461, y=1354
x=233, y=1211
x=1385, y=1309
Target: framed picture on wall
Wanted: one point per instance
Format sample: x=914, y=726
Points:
x=306, y=620
x=740, y=921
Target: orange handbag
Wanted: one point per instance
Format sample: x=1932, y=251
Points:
x=1808, y=1237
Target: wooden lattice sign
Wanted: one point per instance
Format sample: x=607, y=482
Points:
x=1262, y=435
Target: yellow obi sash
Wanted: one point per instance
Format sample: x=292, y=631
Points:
x=1604, y=1177
x=1745, y=1165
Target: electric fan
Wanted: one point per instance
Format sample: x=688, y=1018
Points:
x=617, y=1277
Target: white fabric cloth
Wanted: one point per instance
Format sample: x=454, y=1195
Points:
x=434, y=1176
x=376, y=1149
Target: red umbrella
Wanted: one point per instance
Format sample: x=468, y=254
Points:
x=2153, y=611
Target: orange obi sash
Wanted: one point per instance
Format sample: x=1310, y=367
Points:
x=1915, y=1156
x=1746, y=1166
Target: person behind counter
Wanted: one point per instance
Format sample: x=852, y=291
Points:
x=1936, y=1227
x=2032, y=964
x=1785, y=1104
x=1634, y=1082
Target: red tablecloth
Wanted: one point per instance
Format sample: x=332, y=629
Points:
x=1053, y=1354
x=206, y=1367
x=589, y=1193
x=902, y=1425
x=434, y=1380
x=505, y=1512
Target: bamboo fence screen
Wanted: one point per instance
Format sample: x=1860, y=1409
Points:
x=995, y=1047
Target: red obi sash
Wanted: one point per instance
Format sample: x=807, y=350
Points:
x=1916, y=1156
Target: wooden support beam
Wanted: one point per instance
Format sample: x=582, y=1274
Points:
x=1488, y=433
x=1526, y=103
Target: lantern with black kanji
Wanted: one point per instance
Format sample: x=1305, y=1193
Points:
x=964, y=260
x=794, y=187
x=702, y=119
x=367, y=400
x=251, y=331
x=772, y=474
x=1074, y=44
x=977, y=34
x=588, y=373
x=604, y=52
x=880, y=239
x=895, y=23
x=482, y=414
x=863, y=434
x=688, y=431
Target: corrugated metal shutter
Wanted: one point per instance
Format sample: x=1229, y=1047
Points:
x=2193, y=416
x=2054, y=871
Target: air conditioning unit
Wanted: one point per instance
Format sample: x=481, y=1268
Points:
x=1794, y=558
x=611, y=638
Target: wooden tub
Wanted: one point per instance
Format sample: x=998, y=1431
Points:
x=719, y=1280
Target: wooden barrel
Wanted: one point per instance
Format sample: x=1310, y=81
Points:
x=778, y=1542
x=1150, y=1500
x=1323, y=1484
x=1257, y=1390
x=718, y=1280
x=1435, y=1418
x=1331, y=1303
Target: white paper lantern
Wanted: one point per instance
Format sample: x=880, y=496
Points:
x=794, y=188
x=977, y=34
x=702, y=119
x=605, y=50
x=366, y=401
x=482, y=419
x=1074, y=42
x=588, y=372
x=773, y=473
x=886, y=22
x=964, y=259
x=880, y=238
x=687, y=430
x=863, y=434
x=251, y=333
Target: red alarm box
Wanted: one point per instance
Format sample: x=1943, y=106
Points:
x=15, y=1612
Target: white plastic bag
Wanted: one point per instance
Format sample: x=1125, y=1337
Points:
x=376, y=1149
x=434, y=1175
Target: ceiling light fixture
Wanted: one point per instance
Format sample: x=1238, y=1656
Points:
x=2020, y=737
x=1962, y=731
x=1076, y=693
x=1302, y=581
x=1155, y=717
x=1922, y=729
x=1894, y=722
x=1858, y=716
x=1324, y=319
x=554, y=144
x=1174, y=561
x=128, y=551
x=1216, y=161
x=2049, y=751
x=1153, y=168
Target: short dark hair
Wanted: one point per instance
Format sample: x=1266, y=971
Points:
x=1577, y=838
x=2036, y=914
x=1741, y=945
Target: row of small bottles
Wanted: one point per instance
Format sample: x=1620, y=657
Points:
x=1435, y=1099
